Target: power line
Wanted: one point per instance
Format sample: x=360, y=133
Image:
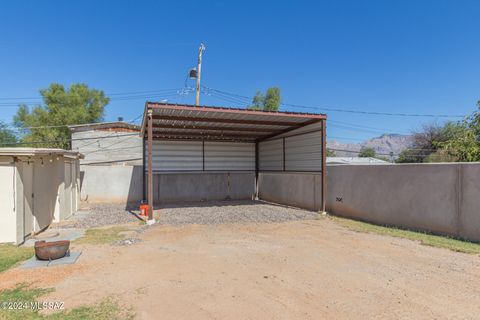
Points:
x=66, y=140
x=341, y=109
x=112, y=161
x=139, y=95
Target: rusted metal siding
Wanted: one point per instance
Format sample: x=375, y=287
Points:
x=271, y=155
x=229, y=156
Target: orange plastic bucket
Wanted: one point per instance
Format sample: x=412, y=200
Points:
x=144, y=209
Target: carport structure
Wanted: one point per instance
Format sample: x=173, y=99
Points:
x=191, y=150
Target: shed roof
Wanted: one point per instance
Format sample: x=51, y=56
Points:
x=189, y=122
x=32, y=152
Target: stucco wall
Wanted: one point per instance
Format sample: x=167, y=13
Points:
x=203, y=186
x=115, y=184
x=303, y=190
x=123, y=184
x=439, y=198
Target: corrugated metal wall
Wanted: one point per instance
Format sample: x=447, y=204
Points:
x=303, y=151
x=229, y=156
x=188, y=156
x=270, y=155
x=176, y=156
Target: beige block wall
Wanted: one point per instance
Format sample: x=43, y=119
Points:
x=438, y=198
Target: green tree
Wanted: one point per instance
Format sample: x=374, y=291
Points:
x=258, y=101
x=367, y=153
x=330, y=153
x=7, y=137
x=463, y=144
x=77, y=105
x=269, y=102
x=428, y=141
x=272, y=99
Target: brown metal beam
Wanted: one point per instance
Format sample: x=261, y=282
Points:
x=150, y=166
x=324, y=164
x=200, y=138
x=167, y=106
x=206, y=134
x=193, y=127
x=220, y=120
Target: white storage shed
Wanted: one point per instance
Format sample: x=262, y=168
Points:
x=37, y=187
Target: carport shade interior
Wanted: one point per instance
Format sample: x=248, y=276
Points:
x=174, y=122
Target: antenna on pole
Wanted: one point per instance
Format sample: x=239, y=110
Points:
x=199, y=72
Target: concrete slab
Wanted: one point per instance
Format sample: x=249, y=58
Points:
x=71, y=259
x=33, y=262
x=61, y=234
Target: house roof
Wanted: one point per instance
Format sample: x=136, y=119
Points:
x=104, y=125
x=189, y=122
x=32, y=152
x=355, y=160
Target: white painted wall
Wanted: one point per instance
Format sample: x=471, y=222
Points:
x=7, y=203
x=110, y=146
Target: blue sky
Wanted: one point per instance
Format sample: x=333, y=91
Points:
x=383, y=56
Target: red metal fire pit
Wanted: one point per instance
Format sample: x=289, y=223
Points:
x=51, y=250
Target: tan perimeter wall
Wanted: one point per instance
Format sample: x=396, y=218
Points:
x=123, y=184
x=439, y=198
x=303, y=190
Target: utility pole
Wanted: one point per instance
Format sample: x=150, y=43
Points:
x=199, y=71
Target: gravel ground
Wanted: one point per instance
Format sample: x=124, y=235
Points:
x=100, y=215
x=211, y=212
x=221, y=212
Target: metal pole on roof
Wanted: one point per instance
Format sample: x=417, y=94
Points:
x=199, y=72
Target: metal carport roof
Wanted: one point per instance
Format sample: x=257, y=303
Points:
x=188, y=122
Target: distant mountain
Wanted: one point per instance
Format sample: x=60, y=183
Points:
x=384, y=144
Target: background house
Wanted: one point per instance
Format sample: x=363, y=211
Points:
x=355, y=160
x=109, y=143
x=112, y=168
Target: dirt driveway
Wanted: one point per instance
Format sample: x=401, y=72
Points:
x=309, y=269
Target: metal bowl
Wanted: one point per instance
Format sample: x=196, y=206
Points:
x=51, y=250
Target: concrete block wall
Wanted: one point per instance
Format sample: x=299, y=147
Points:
x=123, y=184
x=303, y=190
x=111, y=184
x=438, y=198
x=203, y=186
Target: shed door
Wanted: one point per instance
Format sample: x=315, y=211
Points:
x=68, y=189
x=27, y=179
x=8, y=219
